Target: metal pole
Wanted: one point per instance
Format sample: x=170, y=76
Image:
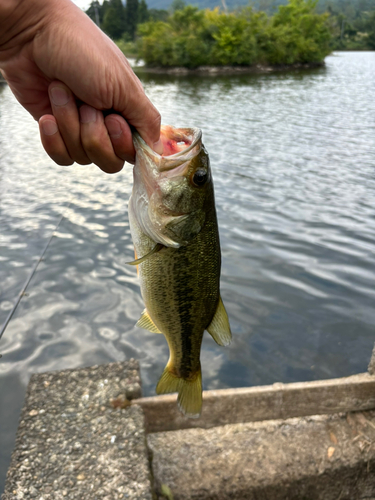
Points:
x=342, y=29
x=97, y=21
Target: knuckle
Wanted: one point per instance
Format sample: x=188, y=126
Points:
x=156, y=121
x=91, y=145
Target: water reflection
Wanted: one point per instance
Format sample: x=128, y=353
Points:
x=293, y=163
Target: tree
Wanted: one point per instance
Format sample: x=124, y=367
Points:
x=158, y=14
x=371, y=31
x=97, y=12
x=192, y=37
x=114, y=19
x=94, y=12
x=143, y=14
x=131, y=17
x=297, y=34
x=177, y=5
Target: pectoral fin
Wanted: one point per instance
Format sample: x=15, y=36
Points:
x=219, y=327
x=146, y=322
x=156, y=248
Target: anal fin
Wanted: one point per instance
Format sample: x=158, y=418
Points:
x=219, y=327
x=146, y=322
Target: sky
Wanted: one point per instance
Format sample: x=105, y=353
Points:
x=83, y=4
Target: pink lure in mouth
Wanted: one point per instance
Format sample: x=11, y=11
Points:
x=173, y=140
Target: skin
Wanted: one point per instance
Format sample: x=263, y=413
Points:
x=65, y=72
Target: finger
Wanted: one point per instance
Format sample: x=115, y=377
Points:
x=121, y=137
x=96, y=141
x=52, y=141
x=143, y=115
x=65, y=111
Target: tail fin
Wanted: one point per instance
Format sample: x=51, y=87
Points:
x=189, y=391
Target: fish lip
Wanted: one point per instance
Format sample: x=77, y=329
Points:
x=165, y=163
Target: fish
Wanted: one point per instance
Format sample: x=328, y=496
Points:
x=174, y=228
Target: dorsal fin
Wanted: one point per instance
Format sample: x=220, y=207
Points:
x=146, y=322
x=219, y=327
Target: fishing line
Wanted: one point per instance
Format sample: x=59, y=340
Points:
x=23, y=291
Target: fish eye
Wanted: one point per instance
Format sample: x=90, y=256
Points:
x=200, y=177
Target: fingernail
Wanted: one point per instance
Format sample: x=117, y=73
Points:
x=59, y=96
x=49, y=127
x=158, y=147
x=87, y=114
x=114, y=128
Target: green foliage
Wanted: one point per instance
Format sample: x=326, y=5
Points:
x=94, y=12
x=177, y=5
x=190, y=37
x=114, y=19
x=143, y=12
x=352, y=23
x=131, y=17
x=371, y=31
x=178, y=42
x=297, y=34
x=128, y=47
x=236, y=36
x=158, y=14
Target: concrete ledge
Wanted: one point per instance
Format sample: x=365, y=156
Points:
x=78, y=439
x=252, y=404
x=322, y=457
x=82, y=436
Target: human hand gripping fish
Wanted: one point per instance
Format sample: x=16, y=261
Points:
x=177, y=250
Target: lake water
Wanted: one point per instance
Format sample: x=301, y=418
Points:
x=293, y=158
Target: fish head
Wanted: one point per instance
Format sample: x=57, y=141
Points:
x=171, y=191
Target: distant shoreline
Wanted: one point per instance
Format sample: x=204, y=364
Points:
x=226, y=70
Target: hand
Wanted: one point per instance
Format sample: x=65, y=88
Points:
x=53, y=56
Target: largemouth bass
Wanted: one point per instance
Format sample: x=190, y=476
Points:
x=177, y=250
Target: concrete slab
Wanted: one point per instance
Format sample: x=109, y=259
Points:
x=326, y=457
x=79, y=439
x=253, y=404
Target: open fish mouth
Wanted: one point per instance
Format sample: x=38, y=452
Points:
x=179, y=146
